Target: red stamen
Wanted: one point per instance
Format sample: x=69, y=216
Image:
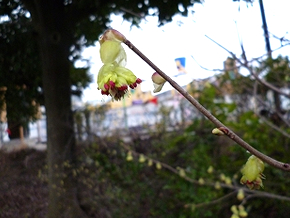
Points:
x=104, y=92
x=122, y=88
x=106, y=86
x=112, y=84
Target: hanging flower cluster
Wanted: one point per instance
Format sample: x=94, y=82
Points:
x=113, y=78
x=253, y=173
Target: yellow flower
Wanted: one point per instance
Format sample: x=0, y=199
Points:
x=253, y=173
x=113, y=78
x=112, y=51
x=158, y=82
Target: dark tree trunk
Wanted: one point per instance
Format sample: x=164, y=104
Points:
x=55, y=38
x=13, y=129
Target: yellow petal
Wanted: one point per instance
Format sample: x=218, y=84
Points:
x=109, y=51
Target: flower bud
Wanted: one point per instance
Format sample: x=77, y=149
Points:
x=129, y=156
x=150, y=162
x=158, y=166
x=240, y=195
x=112, y=35
x=217, y=132
x=201, y=181
x=181, y=172
x=228, y=181
x=210, y=169
x=158, y=82
x=142, y=159
x=234, y=209
x=217, y=185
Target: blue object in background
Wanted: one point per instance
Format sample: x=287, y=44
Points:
x=180, y=65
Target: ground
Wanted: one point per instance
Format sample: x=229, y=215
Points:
x=22, y=192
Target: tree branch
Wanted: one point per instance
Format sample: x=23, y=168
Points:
x=206, y=113
x=263, y=82
x=251, y=193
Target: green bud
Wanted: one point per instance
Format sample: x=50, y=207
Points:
x=142, y=158
x=217, y=132
x=150, y=162
x=240, y=195
x=210, y=169
x=158, y=166
x=201, y=181
x=181, y=172
x=129, y=156
x=217, y=185
x=234, y=209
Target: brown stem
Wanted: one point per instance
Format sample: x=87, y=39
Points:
x=213, y=119
x=250, y=193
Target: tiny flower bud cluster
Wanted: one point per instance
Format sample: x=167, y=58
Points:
x=238, y=211
x=113, y=78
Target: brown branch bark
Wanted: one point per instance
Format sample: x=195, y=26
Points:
x=213, y=119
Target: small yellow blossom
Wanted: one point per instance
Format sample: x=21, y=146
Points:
x=113, y=78
x=253, y=173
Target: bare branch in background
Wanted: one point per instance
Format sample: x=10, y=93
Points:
x=206, y=113
x=263, y=82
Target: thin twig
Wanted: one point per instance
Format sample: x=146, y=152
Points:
x=216, y=201
x=251, y=193
x=206, y=113
x=202, y=67
x=263, y=82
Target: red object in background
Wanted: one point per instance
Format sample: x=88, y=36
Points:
x=8, y=131
x=153, y=100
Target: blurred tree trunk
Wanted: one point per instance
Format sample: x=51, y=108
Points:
x=55, y=38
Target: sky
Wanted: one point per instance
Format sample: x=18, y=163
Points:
x=226, y=22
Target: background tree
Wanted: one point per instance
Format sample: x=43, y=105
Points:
x=62, y=26
x=20, y=68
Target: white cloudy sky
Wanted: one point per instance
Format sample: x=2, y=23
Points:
x=224, y=21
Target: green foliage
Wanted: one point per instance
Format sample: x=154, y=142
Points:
x=146, y=191
x=277, y=71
